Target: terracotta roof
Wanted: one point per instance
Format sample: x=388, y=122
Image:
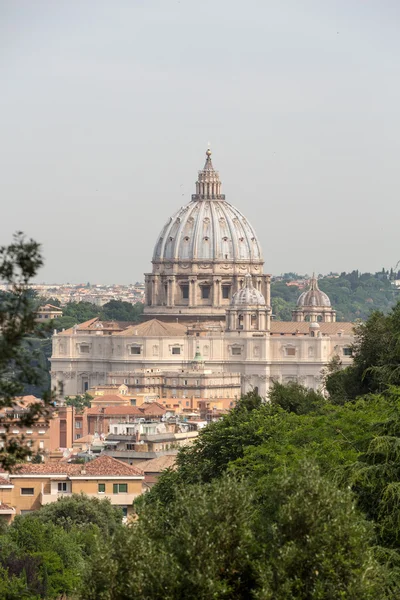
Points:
x=156, y=465
x=85, y=439
x=106, y=465
x=4, y=481
x=303, y=327
x=155, y=328
x=81, y=326
x=101, y=466
x=153, y=408
x=6, y=507
x=116, y=398
x=109, y=411
x=51, y=468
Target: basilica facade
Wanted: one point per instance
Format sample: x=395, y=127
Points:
x=208, y=331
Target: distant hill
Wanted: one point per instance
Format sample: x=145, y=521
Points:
x=353, y=295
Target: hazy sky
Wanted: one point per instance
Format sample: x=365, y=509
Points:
x=106, y=108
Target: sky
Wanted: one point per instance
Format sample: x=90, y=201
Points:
x=107, y=108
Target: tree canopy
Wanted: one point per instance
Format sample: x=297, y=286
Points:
x=19, y=360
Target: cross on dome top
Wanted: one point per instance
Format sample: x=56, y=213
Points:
x=208, y=185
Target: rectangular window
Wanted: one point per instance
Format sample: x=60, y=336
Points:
x=62, y=486
x=84, y=349
x=78, y=424
x=101, y=488
x=135, y=350
x=346, y=351
x=120, y=488
x=124, y=511
x=205, y=292
x=225, y=291
x=27, y=491
x=176, y=350
x=130, y=446
x=236, y=351
x=41, y=444
x=185, y=381
x=185, y=292
x=290, y=351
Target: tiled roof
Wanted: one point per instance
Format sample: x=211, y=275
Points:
x=153, y=408
x=86, y=439
x=6, y=507
x=81, y=326
x=155, y=328
x=51, y=468
x=101, y=466
x=112, y=411
x=110, y=398
x=303, y=327
x=156, y=465
x=106, y=465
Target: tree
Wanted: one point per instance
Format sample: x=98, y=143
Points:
x=200, y=546
x=40, y=559
x=318, y=546
x=80, y=511
x=119, y=310
x=301, y=539
x=296, y=398
x=376, y=358
x=19, y=262
x=80, y=401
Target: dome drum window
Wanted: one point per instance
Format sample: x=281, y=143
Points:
x=208, y=235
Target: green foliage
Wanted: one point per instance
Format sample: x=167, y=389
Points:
x=80, y=401
x=301, y=539
x=376, y=359
x=19, y=362
x=79, y=511
x=119, y=310
x=200, y=546
x=296, y=398
x=115, y=310
x=39, y=560
x=317, y=544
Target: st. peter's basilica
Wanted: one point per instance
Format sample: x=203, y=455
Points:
x=208, y=331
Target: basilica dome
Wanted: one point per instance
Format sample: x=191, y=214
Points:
x=208, y=228
x=248, y=295
x=313, y=296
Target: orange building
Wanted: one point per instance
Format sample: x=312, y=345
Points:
x=37, y=436
x=35, y=485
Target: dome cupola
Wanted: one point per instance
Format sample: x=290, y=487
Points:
x=248, y=310
x=202, y=255
x=208, y=228
x=314, y=305
x=248, y=295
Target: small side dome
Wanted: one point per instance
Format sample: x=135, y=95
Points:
x=314, y=325
x=248, y=295
x=313, y=297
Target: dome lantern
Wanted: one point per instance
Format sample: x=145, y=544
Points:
x=202, y=255
x=314, y=305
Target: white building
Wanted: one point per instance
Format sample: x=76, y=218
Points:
x=207, y=294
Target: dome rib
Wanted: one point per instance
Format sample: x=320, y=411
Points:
x=225, y=221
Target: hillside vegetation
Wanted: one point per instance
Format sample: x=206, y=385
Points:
x=353, y=295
